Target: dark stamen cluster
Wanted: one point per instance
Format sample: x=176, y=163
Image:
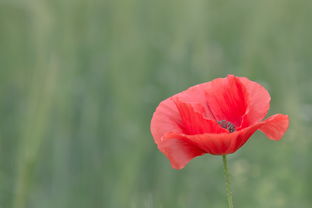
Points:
x=227, y=125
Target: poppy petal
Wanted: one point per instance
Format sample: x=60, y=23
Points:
x=258, y=102
x=221, y=144
x=196, y=96
x=226, y=98
x=193, y=122
x=275, y=126
x=166, y=119
x=179, y=150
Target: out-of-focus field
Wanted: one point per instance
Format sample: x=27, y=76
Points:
x=80, y=79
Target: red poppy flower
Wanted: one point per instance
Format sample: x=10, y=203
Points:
x=216, y=117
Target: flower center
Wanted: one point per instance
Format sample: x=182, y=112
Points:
x=227, y=125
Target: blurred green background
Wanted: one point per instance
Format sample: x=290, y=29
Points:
x=80, y=79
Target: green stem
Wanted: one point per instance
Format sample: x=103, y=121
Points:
x=227, y=183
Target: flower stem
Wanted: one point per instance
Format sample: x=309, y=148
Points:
x=227, y=183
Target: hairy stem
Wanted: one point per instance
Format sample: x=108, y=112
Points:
x=227, y=183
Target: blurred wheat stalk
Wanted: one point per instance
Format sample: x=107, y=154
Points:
x=40, y=99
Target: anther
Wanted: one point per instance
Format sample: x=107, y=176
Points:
x=227, y=125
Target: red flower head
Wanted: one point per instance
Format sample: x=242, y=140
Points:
x=216, y=117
